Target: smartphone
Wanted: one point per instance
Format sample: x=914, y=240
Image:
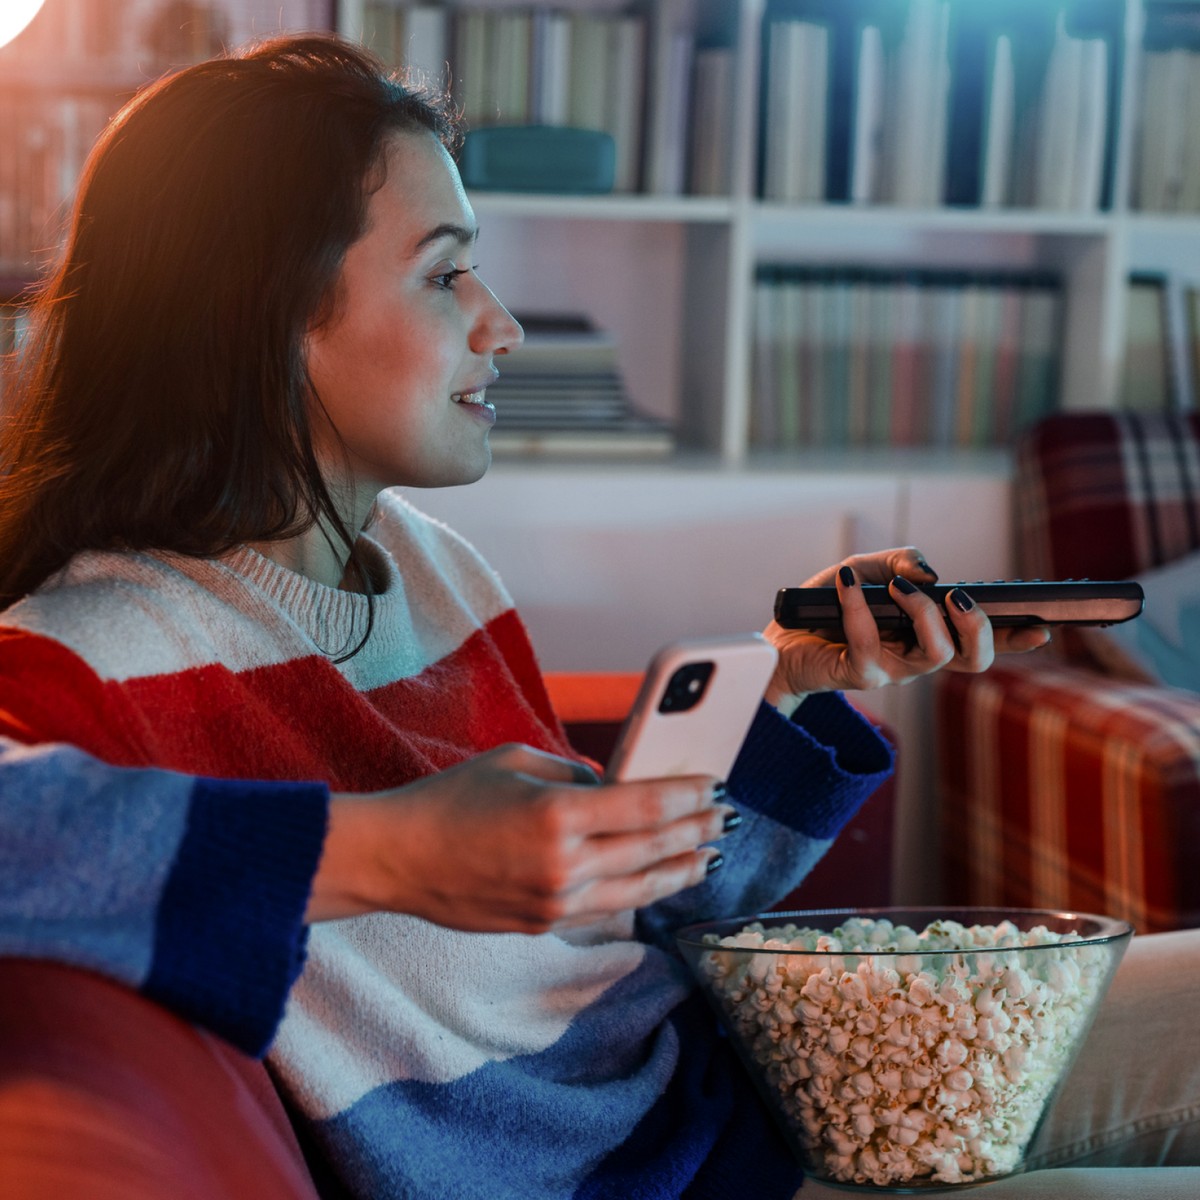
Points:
x=694, y=708
x=1006, y=604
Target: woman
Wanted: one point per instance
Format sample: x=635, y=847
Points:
x=267, y=315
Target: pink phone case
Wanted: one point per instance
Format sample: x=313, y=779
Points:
x=703, y=740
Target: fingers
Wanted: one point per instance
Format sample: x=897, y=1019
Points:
x=861, y=632
x=631, y=853
x=934, y=647
x=638, y=805
x=880, y=567
x=549, y=768
x=1020, y=641
x=976, y=648
x=605, y=896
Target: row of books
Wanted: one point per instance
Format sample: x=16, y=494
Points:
x=849, y=356
x=1167, y=171
x=1158, y=374
x=941, y=101
x=671, y=118
x=579, y=69
x=561, y=392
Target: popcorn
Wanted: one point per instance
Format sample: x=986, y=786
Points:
x=895, y=1064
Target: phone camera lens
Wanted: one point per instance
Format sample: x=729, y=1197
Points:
x=686, y=687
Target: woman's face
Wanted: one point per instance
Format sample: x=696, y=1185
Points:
x=401, y=365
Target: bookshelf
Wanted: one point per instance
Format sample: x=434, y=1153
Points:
x=672, y=274
x=719, y=241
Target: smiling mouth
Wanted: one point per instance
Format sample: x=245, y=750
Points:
x=477, y=403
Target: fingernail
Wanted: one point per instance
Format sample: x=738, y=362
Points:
x=714, y=864
x=846, y=575
x=719, y=792
x=732, y=820
x=903, y=586
x=922, y=565
x=961, y=600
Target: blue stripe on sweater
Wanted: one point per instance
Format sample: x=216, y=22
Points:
x=531, y=1126
x=814, y=771
x=709, y=1136
x=85, y=853
x=229, y=941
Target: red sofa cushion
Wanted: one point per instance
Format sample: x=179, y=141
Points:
x=106, y=1096
x=1062, y=789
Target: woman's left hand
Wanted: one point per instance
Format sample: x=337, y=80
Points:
x=809, y=663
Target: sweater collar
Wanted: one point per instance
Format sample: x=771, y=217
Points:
x=333, y=619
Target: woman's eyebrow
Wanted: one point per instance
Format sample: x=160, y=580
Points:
x=460, y=233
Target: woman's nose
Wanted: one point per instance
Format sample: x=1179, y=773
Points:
x=495, y=331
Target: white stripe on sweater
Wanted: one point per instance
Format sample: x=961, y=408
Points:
x=133, y=615
x=386, y=998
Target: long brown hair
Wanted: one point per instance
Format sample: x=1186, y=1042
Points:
x=163, y=401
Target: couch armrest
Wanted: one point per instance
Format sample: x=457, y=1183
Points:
x=1064, y=789
x=106, y=1096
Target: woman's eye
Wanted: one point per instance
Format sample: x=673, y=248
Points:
x=446, y=279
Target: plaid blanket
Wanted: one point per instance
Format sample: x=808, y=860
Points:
x=1062, y=789
x=1106, y=495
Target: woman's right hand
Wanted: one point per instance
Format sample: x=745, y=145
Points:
x=516, y=841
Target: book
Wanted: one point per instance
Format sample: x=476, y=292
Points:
x=561, y=392
x=858, y=391
x=905, y=352
x=797, y=96
x=712, y=121
x=1072, y=138
x=672, y=47
x=588, y=90
x=917, y=109
x=1041, y=323
x=623, y=116
x=508, y=67
x=764, y=414
x=471, y=54
x=869, y=94
x=550, y=68
x=947, y=338
x=1001, y=126
x=1146, y=376
x=421, y=47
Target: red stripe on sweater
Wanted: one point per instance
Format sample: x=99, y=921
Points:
x=299, y=720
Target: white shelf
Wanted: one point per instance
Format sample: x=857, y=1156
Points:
x=680, y=209
x=969, y=220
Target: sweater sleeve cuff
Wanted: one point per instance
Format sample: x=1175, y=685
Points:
x=230, y=935
x=813, y=772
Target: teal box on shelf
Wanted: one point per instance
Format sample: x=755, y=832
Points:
x=539, y=158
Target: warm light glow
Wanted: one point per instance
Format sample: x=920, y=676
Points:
x=15, y=15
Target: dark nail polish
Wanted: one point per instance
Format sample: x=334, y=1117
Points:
x=922, y=565
x=961, y=600
x=846, y=575
x=714, y=864
x=903, y=586
x=719, y=792
x=732, y=820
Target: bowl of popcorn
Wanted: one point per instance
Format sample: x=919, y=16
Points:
x=907, y=1050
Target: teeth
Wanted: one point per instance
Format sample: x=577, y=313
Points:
x=471, y=398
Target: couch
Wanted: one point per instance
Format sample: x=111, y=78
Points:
x=1062, y=786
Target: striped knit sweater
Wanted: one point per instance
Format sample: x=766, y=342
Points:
x=420, y=1062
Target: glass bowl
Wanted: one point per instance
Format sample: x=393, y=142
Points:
x=907, y=1068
